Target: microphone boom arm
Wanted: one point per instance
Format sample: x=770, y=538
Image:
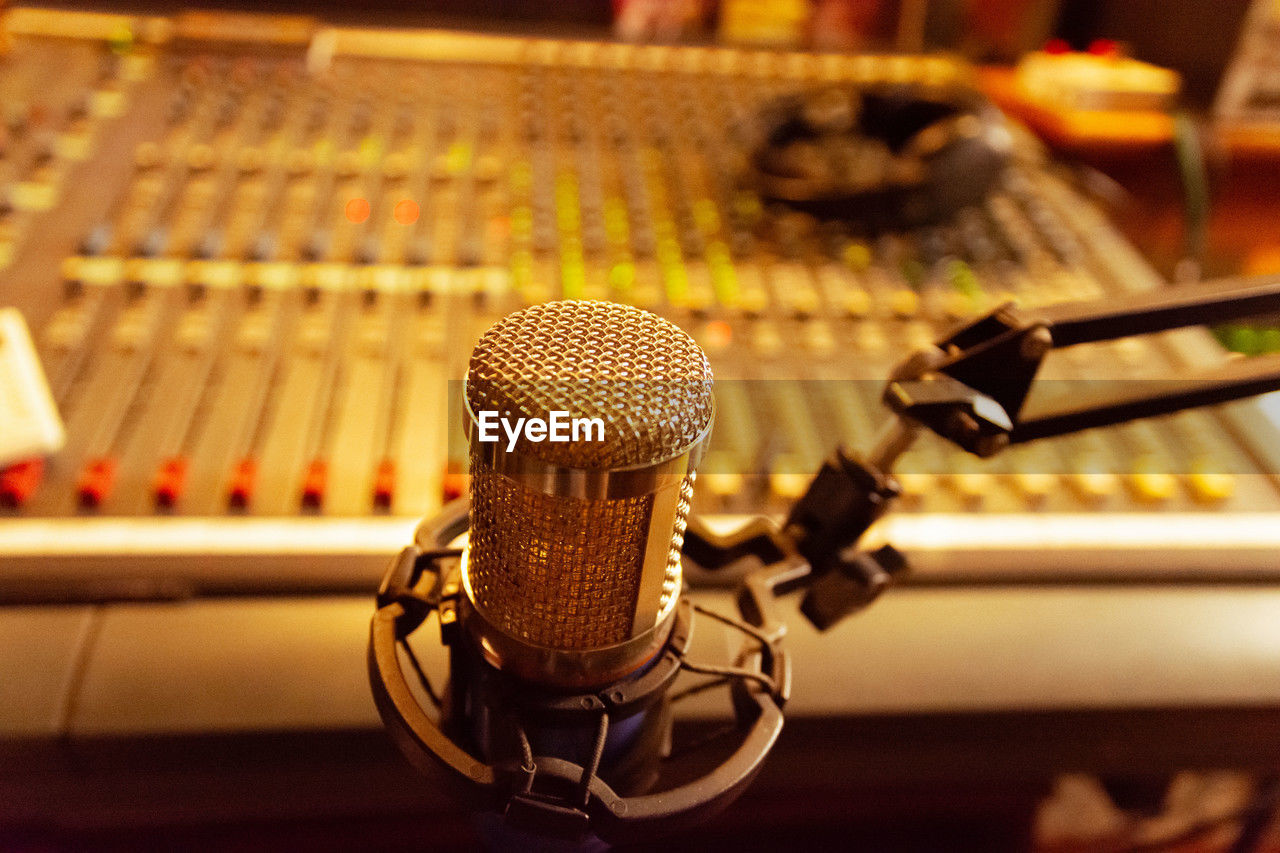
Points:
x=970, y=388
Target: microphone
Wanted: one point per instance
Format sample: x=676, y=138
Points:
x=572, y=571
x=562, y=607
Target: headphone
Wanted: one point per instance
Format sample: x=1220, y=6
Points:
x=883, y=158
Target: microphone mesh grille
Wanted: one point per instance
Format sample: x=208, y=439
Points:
x=644, y=377
x=565, y=572
x=555, y=571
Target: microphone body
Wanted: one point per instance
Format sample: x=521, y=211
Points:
x=572, y=569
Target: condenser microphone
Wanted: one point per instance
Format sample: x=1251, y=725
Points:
x=586, y=421
x=558, y=588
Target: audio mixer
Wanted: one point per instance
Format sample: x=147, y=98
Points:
x=255, y=253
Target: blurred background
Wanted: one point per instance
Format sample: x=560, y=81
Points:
x=247, y=248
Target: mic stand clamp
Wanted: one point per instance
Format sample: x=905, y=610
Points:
x=815, y=550
x=845, y=498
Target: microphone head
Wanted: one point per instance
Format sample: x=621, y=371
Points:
x=586, y=420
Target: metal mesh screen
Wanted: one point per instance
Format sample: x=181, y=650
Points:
x=554, y=571
x=567, y=572
x=642, y=375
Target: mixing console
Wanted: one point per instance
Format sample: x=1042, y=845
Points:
x=259, y=268
x=55, y=95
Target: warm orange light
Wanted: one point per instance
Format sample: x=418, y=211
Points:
x=357, y=210
x=719, y=335
x=406, y=212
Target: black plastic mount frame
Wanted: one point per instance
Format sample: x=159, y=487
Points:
x=420, y=582
x=818, y=542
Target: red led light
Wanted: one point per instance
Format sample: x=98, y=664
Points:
x=240, y=492
x=384, y=484
x=313, y=485
x=407, y=211
x=17, y=482
x=96, y=482
x=170, y=480
x=357, y=210
x=1104, y=47
x=719, y=335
